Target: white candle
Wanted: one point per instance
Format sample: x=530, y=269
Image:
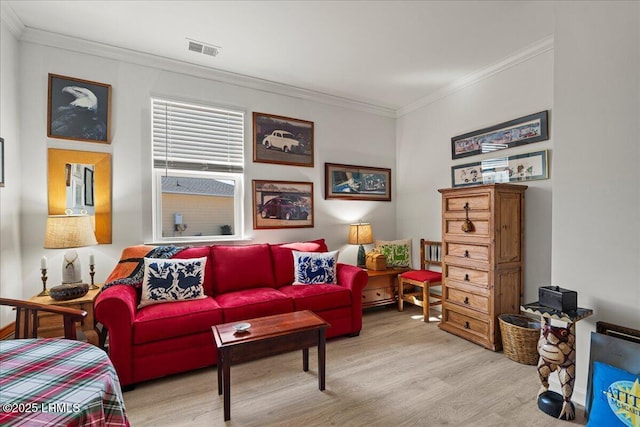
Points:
x=92, y=259
x=43, y=263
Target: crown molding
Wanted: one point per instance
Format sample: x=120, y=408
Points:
x=533, y=50
x=60, y=41
x=9, y=17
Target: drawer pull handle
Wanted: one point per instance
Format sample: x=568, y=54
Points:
x=378, y=293
x=466, y=325
x=466, y=277
x=466, y=300
x=467, y=225
x=466, y=254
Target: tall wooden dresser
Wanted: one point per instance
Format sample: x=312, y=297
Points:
x=483, y=262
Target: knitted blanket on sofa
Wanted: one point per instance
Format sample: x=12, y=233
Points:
x=130, y=269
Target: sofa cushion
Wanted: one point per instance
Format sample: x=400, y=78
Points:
x=198, y=252
x=312, y=268
x=283, y=258
x=167, y=280
x=317, y=297
x=256, y=302
x=241, y=267
x=175, y=319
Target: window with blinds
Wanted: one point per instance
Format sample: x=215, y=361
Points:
x=198, y=160
x=197, y=137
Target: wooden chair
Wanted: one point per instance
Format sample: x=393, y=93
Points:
x=429, y=281
x=27, y=317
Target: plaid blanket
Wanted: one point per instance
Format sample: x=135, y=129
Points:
x=130, y=268
x=58, y=382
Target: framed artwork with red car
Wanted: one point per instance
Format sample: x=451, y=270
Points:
x=282, y=204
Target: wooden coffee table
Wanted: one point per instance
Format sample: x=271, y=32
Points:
x=268, y=336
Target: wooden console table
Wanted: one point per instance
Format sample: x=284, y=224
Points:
x=382, y=287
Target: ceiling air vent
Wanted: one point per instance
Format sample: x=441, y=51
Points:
x=203, y=48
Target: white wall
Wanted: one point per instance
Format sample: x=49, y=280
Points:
x=583, y=224
x=340, y=135
x=424, y=157
x=10, y=248
x=596, y=191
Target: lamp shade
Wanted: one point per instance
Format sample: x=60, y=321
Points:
x=69, y=231
x=360, y=234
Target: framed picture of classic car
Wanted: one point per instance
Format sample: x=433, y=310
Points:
x=78, y=109
x=356, y=182
x=282, y=204
x=282, y=140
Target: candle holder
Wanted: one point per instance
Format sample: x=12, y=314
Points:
x=45, y=292
x=92, y=272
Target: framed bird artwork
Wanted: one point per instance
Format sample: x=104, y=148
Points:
x=78, y=109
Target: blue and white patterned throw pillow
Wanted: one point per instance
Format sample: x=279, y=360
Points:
x=312, y=268
x=167, y=280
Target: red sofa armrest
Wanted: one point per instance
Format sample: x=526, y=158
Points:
x=115, y=308
x=354, y=278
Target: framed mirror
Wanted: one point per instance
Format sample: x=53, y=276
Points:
x=79, y=182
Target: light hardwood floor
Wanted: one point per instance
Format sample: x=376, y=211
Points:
x=400, y=371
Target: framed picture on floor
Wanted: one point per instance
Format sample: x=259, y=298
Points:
x=78, y=109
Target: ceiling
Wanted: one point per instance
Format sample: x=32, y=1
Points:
x=387, y=54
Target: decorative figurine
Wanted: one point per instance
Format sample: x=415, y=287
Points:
x=556, y=347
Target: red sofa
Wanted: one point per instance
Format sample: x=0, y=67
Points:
x=241, y=282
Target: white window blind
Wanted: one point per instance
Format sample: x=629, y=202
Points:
x=197, y=137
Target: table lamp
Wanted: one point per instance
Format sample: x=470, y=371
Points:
x=67, y=232
x=360, y=234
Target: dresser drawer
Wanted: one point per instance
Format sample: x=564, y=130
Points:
x=377, y=296
x=453, y=228
x=464, y=252
x=467, y=275
x=467, y=299
x=475, y=202
x=467, y=323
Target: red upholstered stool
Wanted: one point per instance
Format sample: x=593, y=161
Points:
x=428, y=281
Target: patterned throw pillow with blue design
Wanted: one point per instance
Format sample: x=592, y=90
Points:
x=167, y=280
x=313, y=268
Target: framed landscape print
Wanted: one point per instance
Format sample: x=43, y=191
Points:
x=521, y=167
x=520, y=131
x=282, y=204
x=78, y=109
x=356, y=182
x=282, y=140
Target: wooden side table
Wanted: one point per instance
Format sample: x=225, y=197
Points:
x=50, y=325
x=382, y=287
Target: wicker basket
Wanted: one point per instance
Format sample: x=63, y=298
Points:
x=520, y=336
